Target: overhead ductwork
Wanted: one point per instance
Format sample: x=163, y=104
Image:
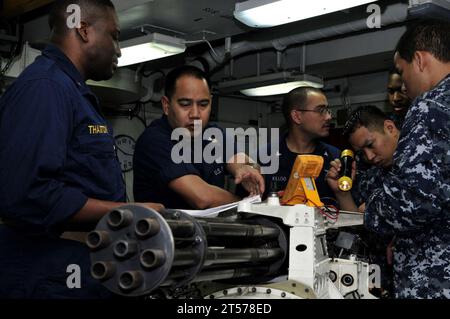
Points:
x=436, y=9
x=267, y=39
x=121, y=5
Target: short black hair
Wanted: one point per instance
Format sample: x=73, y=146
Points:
x=296, y=98
x=171, y=78
x=426, y=35
x=368, y=116
x=57, y=19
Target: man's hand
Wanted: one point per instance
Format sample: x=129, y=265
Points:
x=344, y=199
x=333, y=175
x=250, y=178
x=246, y=174
x=362, y=208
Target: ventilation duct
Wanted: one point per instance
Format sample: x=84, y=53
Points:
x=394, y=13
x=437, y=9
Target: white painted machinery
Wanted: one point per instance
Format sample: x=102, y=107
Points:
x=263, y=250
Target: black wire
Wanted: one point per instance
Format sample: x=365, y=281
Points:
x=146, y=75
x=130, y=113
x=358, y=296
x=137, y=109
x=151, y=73
x=149, y=101
x=15, y=50
x=332, y=199
x=141, y=119
x=135, y=113
x=145, y=115
x=19, y=46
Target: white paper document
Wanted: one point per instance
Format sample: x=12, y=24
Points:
x=213, y=212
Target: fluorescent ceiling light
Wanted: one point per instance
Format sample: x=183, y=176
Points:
x=276, y=89
x=270, y=84
x=269, y=13
x=149, y=47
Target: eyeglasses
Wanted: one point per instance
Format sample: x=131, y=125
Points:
x=321, y=110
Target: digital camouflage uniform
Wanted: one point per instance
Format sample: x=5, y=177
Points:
x=414, y=200
x=366, y=180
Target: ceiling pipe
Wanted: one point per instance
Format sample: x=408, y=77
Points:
x=394, y=13
x=121, y=5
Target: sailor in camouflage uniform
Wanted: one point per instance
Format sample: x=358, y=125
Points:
x=374, y=137
x=414, y=200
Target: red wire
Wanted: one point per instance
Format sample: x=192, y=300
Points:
x=335, y=217
x=323, y=209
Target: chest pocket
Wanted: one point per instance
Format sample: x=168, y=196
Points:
x=100, y=146
x=93, y=164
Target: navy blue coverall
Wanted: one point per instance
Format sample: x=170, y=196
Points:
x=56, y=151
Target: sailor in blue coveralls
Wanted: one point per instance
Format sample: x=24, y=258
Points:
x=58, y=165
x=160, y=174
x=306, y=112
x=154, y=168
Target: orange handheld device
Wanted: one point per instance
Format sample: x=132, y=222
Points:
x=301, y=188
